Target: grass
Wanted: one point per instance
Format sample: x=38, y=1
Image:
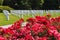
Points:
x=3, y=20
x=55, y=14
x=14, y=18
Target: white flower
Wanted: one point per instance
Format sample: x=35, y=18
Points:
x=24, y=23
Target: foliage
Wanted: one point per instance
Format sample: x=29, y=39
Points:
x=24, y=4
x=37, y=28
x=1, y=2
x=5, y=8
x=33, y=4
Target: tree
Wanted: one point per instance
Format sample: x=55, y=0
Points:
x=24, y=4
x=1, y=2
x=51, y=4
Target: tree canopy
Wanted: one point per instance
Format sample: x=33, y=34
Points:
x=31, y=4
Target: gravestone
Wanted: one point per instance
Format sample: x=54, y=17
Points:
x=41, y=12
x=22, y=13
x=6, y=13
x=14, y=12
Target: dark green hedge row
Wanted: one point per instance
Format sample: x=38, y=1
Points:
x=5, y=8
x=31, y=4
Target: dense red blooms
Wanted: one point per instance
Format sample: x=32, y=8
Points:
x=38, y=28
x=29, y=37
x=2, y=38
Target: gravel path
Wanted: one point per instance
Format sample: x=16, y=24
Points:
x=6, y=26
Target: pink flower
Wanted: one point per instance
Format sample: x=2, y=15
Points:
x=36, y=28
x=50, y=32
x=8, y=31
x=29, y=37
x=2, y=38
x=41, y=38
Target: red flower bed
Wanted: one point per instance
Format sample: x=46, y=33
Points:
x=38, y=28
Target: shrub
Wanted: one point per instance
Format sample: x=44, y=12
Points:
x=5, y=8
x=38, y=28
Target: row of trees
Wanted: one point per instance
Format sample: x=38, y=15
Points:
x=32, y=4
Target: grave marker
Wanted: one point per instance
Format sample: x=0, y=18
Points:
x=6, y=13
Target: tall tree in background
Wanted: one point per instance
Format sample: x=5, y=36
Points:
x=51, y=4
x=33, y=4
x=1, y=2
x=24, y=4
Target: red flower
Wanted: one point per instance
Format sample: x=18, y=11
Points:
x=29, y=37
x=8, y=31
x=41, y=38
x=38, y=28
x=2, y=38
x=31, y=20
x=42, y=20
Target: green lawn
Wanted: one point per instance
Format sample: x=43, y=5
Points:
x=3, y=20
x=14, y=18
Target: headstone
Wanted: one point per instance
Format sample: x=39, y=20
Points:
x=17, y=12
x=23, y=13
x=6, y=13
x=33, y=12
x=41, y=12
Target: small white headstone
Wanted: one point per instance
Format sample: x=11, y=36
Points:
x=6, y=13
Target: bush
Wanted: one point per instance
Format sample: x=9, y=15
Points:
x=38, y=28
x=5, y=8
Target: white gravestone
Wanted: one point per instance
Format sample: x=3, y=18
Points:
x=6, y=13
x=47, y=12
x=33, y=12
x=16, y=12
x=22, y=13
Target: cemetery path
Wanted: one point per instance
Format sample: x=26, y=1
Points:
x=6, y=26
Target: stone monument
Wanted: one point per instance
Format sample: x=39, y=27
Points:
x=6, y=13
